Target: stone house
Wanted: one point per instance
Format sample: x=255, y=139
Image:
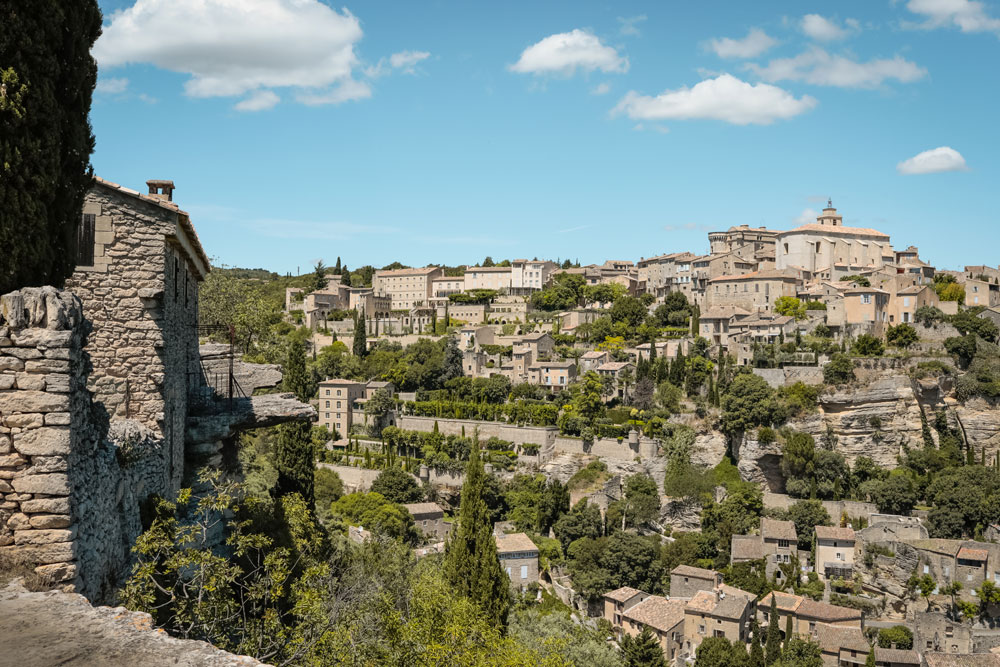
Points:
x=591, y=359
x=828, y=246
x=444, y=286
x=474, y=337
x=724, y=611
x=835, y=551
x=868, y=308
x=540, y=345
x=966, y=561
x=777, y=544
x=337, y=404
x=473, y=313
x=663, y=617
x=529, y=275
x=519, y=559
x=896, y=657
x=317, y=306
x=949, y=660
x=714, y=323
x=842, y=646
x=614, y=372
x=709, y=267
x=754, y=291
x=742, y=237
x=139, y=263
x=619, y=601
x=408, y=288
x=667, y=273
x=553, y=375
x=429, y=518
x=497, y=278
x=686, y=581
x=904, y=303
x=806, y=614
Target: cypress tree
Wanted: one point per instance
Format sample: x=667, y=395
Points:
x=756, y=651
x=772, y=644
x=642, y=651
x=677, y=370
x=471, y=563
x=345, y=276
x=337, y=269
x=788, y=632
x=870, y=660
x=293, y=456
x=47, y=76
x=360, y=344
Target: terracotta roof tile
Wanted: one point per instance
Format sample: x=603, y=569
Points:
x=833, y=638
x=835, y=533
x=688, y=571
x=839, y=229
x=622, y=594
x=657, y=612
x=776, y=529
x=514, y=542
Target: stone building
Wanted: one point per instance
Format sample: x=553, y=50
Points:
x=776, y=544
x=429, y=518
x=806, y=613
x=497, y=278
x=755, y=291
x=620, y=600
x=724, y=611
x=408, y=288
x=529, y=275
x=519, y=559
x=835, y=551
x=759, y=239
x=138, y=267
x=842, y=646
x=663, y=617
x=827, y=249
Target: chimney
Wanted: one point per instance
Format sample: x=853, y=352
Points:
x=161, y=189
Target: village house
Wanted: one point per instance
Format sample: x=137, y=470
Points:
x=429, y=519
x=444, y=286
x=590, y=360
x=519, y=559
x=138, y=266
x=714, y=323
x=835, y=551
x=619, y=601
x=686, y=581
x=828, y=249
x=724, y=611
x=341, y=404
x=842, y=646
x=498, y=278
x=407, y=288
x=806, y=613
x=966, y=561
x=529, y=275
x=615, y=373
x=474, y=337
x=664, y=618
x=897, y=657
x=667, y=273
x=935, y=632
x=777, y=544
x=755, y=291
x=758, y=240
x=709, y=267
x=553, y=375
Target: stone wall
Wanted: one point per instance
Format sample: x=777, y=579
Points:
x=141, y=297
x=779, y=377
x=71, y=480
x=537, y=435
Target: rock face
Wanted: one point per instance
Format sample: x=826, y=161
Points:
x=53, y=628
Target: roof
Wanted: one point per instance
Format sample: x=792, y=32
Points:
x=657, y=612
x=622, y=594
x=594, y=354
x=423, y=508
x=777, y=530
x=534, y=336
x=183, y=219
x=833, y=638
x=383, y=273
x=896, y=655
x=768, y=274
x=746, y=547
x=973, y=554
x=961, y=660
x=835, y=533
x=702, y=601
x=613, y=366
x=688, y=571
x=826, y=612
x=938, y=545
x=784, y=601
x=488, y=269
x=837, y=229
x=722, y=312
x=514, y=542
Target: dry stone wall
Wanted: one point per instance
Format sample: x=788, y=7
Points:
x=71, y=480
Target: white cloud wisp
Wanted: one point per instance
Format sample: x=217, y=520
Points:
x=565, y=52
x=934, y=161
x=818, y=67
x=755, y=43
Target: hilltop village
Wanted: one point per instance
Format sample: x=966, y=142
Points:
x=784, y=451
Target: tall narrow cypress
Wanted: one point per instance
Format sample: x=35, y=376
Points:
x=772, y=646
x=471, y=563
x=293, y=455
x=360, y=344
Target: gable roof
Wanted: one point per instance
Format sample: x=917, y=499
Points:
x=657, y=612
x=833, y=638
x=835, y=533
x=746, y=547
x=768, y=274
x=776, y=529
x=688, y=571
x=514, y=542
x=622, y=594
x=419, y=509
x=837, y=229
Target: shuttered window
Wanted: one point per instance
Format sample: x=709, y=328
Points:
x=85, y=240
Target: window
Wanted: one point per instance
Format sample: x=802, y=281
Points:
x=866, y=298
x=524, y=571
x=783, y=544
x=85, y=240
x=327, y=404
x=927, y=569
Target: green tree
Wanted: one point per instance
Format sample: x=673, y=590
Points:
x=772, y=645
x=839, y=370
x=720, y=652
x=756, y=650
x=748, y=403
x=584, y=520
x=790, y=307
x=806, y=514
x=471, y=562
x=896, y=495
x=798, y=463
x=319, y=279
x=360, y=344
x=898, y=636
x=587, y=400
x=47, y=76
x=800, y=652
x=902, y=335
x=294, y=457
x=397, y=486
x=642, y=650
x=377, y=408
x=375, y=512
x=867, y=345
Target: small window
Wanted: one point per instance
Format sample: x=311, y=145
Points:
x=85, y=240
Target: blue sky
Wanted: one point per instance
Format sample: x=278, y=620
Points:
x=445, y=132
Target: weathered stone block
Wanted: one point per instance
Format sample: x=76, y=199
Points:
x=5, y=487
x=50, y=505
x=11, y=364
x=23, y=421
x=47, y=441
x=52, y=484
x=42, y=338
x=30, y=381
x=5, y=444
x=57, y=382
x=33, y=536
x=49, y=521
x=22, y=352
x=43, y=464
x=57, y=571
x=59, y=552
x=12, y=460
x=6, y=381
x=57, y=419
x=32, y=401
x=57, y=353
x=46, y=366
x=18, y=521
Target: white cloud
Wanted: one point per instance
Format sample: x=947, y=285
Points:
x=114, y=86
x=818, y=67
x=564, y=52
x=806, y=216
x=629, y=24
x=405, y=60
x=724, y=98
x=755, y=43
x=259, y=100
x=601, y=89
x=347, y=91
x=824, y=29
x=232, y=47
x=967, y=15
x=933, y=161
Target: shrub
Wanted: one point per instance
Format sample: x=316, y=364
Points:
x=902, y=335
x=867, y=345
x=840, y=370
x=929, y=316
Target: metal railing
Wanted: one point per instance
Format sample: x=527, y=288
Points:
x=210, y=391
